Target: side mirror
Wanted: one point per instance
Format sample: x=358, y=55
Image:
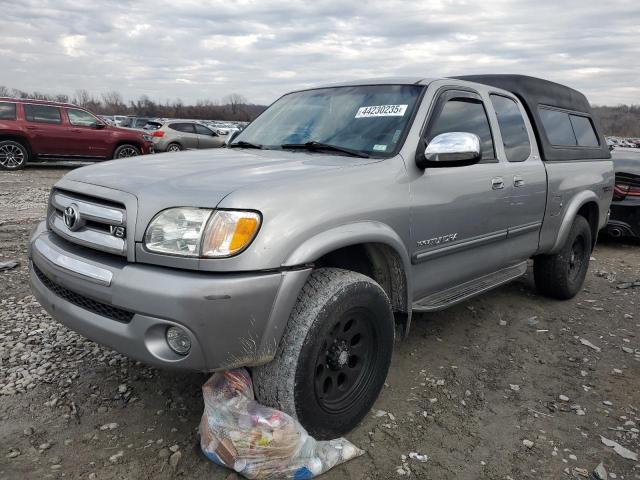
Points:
x=231, y=137
x=451, y=149
x=99, y=126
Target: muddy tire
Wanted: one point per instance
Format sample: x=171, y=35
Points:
x=561, y=275
x=13, y=155
x=126, y=151
x=334, y=355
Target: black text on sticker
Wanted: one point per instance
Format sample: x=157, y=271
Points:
x=381, y=111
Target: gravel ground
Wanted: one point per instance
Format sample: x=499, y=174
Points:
x=507, y=386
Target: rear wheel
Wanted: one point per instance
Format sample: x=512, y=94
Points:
x=13, y=155
x=126, y=151
x=174, y=147
x=561, y=275
x=333, y=358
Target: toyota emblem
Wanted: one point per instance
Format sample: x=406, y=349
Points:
x=71, y=217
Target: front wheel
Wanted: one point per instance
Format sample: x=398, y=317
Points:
x=561, y=275
x=334, y=355
x=126, y=151
x=13, y=155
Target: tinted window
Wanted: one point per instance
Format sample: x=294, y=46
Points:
x=584, y=131
x=7, y=111
x=182, y=127
x=201, y=130
x=81, y=118
x=558, y=128
x=465, y=115
x=513, y=129
x=140, y=122
x=42, y=113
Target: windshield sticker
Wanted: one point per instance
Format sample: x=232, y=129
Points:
x=381, y=111
x=379, y=148
x=396, y=136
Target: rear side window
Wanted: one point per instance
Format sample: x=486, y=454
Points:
x=141, y=122
x=465, y=115
x=568, y=130
x=513, y=129
x=585, y=133
x=182, y=127
x=42, y=113
x=7, y=111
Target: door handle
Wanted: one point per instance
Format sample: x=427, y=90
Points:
x=518, y=181
x=497, y=183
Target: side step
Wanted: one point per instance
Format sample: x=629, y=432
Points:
x=457, y=294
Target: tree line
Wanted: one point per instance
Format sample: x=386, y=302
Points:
x=231, y=107
x=621, y=120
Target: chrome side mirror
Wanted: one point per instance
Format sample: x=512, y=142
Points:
x=451, y=149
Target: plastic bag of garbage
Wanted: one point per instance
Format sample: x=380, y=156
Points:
x=260, y=442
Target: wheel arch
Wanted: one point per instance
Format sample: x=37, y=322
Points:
x=122, y=142
x=17, y=138
x=586, y=205
x=371, y=248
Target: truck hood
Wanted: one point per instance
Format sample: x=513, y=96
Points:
x=202, y=178
x=200, y=173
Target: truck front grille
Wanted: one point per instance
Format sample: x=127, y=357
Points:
x=83, y=302
x=89, y=221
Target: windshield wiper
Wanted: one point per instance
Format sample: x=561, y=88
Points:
x=243, y=144
x=313, y=145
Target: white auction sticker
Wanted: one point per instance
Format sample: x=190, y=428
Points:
x=381, y=111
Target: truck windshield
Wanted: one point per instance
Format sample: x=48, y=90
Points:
x=370, y=120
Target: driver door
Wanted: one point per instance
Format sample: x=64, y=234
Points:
x=459, y=214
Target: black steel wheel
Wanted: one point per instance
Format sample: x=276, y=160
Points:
x=334, y=356
x=561, y=275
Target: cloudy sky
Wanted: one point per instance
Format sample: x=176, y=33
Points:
x=201, y=49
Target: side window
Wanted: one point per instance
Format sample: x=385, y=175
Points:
x=81, y=118
x=585, y=133
x=465, y=115
x=182, y=127
x=202, y=130
x=558, y=127
x=7, y=111
x=512, y=127
x=140, y=122
x=42, y=113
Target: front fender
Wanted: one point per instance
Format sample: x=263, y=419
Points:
x=348, y=235
x=571, y=211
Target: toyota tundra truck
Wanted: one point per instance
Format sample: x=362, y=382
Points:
x=302, y=249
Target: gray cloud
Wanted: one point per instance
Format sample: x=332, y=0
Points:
x=202, y=49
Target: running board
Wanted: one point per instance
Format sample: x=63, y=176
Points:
x=446, y=298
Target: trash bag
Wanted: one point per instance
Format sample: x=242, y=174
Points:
x=260, y=442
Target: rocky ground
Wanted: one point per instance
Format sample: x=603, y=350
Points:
x=507, y=386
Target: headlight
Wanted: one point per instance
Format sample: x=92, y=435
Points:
x=201, y=232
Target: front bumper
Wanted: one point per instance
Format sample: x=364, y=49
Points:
x=232, y=319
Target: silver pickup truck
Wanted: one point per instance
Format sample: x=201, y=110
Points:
x=302, y=249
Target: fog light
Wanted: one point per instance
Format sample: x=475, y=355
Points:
x=178, y=340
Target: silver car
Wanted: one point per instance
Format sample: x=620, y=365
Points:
x=179, y=135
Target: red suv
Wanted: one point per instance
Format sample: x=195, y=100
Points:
x=32, y=130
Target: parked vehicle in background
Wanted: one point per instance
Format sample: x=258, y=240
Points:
x=303, y=248
x=178, y=135
x=108, y=119
x=119, y=119
x=36, y=130
x=140, y=123
x=624, y=220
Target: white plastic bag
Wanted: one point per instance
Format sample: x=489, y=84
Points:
x=260, y=442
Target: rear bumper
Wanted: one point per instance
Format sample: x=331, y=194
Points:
x=625, y=219
x=232, y=319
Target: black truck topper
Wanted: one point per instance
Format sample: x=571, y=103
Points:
x=535, y=92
